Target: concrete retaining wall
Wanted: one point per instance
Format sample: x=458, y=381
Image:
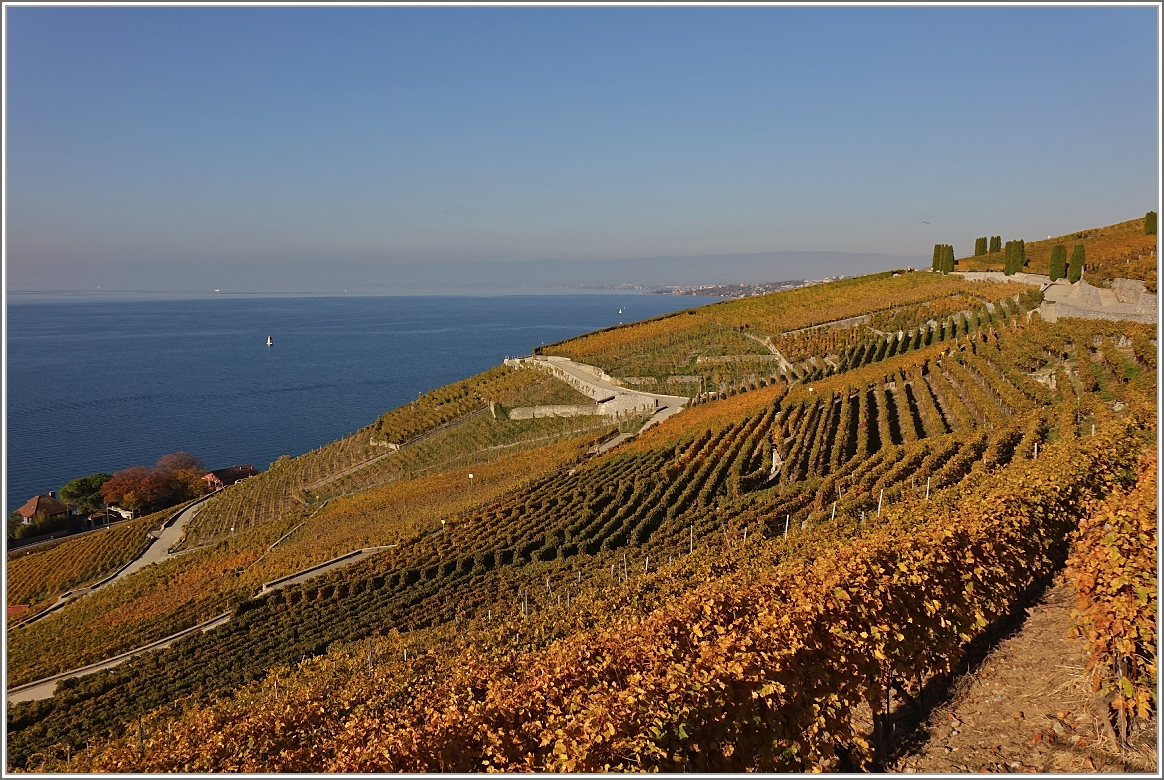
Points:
x=999, y=276
x=555, y=410
x=738, y=359
x=1132, y=292
x=547, y=364
x=1066, y=309
x=1089, y=295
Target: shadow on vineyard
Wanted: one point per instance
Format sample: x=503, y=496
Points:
x=769, y=580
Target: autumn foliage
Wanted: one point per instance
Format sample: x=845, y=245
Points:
x=1114, y=570
x=754, y=583
x=765, y=668
x=175, y=478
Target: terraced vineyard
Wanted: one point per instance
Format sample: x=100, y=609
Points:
x=435, y=432
x=573, y=592
x=40, y=577
x=1120, y=250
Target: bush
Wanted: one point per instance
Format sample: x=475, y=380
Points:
x=39, y=525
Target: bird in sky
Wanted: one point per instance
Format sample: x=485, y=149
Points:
x=924, y=222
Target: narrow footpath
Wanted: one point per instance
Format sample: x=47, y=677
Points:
x=1028, y=707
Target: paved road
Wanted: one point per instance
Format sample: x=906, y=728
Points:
x=45, y=688
x=159, y=550
x=588, y=375
x=666, y=405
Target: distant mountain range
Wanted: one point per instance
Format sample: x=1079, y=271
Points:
x=487, y=277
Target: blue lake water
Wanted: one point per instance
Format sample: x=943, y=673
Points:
x=100, y=385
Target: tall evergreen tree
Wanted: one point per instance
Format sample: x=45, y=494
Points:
x=1075, y=271
x=937, y=265
x=1008, y=259
x=980, y=246
x=995, y=244
x=1150, y=223
x=1020, y=255
x=948, y=259
x=1058, y=262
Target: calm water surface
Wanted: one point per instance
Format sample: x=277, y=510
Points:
x=102, y=385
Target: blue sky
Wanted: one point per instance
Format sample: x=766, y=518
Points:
x=178, y=137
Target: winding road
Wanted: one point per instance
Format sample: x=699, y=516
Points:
x=588, y=379
x=157, y=550
x=597, y=384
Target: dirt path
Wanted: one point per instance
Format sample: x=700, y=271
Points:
x=1027, y=708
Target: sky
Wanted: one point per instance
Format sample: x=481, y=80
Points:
x=173, y=144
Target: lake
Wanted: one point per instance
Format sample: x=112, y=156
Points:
x=100, y=385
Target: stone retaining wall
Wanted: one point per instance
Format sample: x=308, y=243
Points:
x=1131, y=291
x=554, y=410
x=1066, y=309
x=701, y=360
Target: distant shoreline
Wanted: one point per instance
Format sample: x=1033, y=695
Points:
x=64, y=296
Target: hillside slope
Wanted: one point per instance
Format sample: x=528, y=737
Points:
x=739, y=587
x=1120, y=250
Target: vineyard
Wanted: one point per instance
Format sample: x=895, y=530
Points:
x=771, y=610
x=181, y=592
x=1114, y=569
x=1121, y=250
x=444, y=427
x=721, y=348
x=654, y=607
x=41, y=576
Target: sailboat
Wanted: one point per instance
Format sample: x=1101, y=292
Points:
x=269, y=341
x=620, y=310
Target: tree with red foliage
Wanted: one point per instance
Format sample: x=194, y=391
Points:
x=175, y=478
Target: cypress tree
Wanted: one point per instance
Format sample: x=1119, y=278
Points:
x=948, y=258
x=1075, y=272
x=937, y=265
x=1020, y=255
x=1008, y=259
x=1058, y=262
x=980, y=246
x=995, y=244
x=1150, y=223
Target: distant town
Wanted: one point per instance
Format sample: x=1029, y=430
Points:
x=742, y=290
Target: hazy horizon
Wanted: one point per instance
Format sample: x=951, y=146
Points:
x=482, y=277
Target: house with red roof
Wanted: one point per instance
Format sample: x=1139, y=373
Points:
x=45, y=506
x=220, y=478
